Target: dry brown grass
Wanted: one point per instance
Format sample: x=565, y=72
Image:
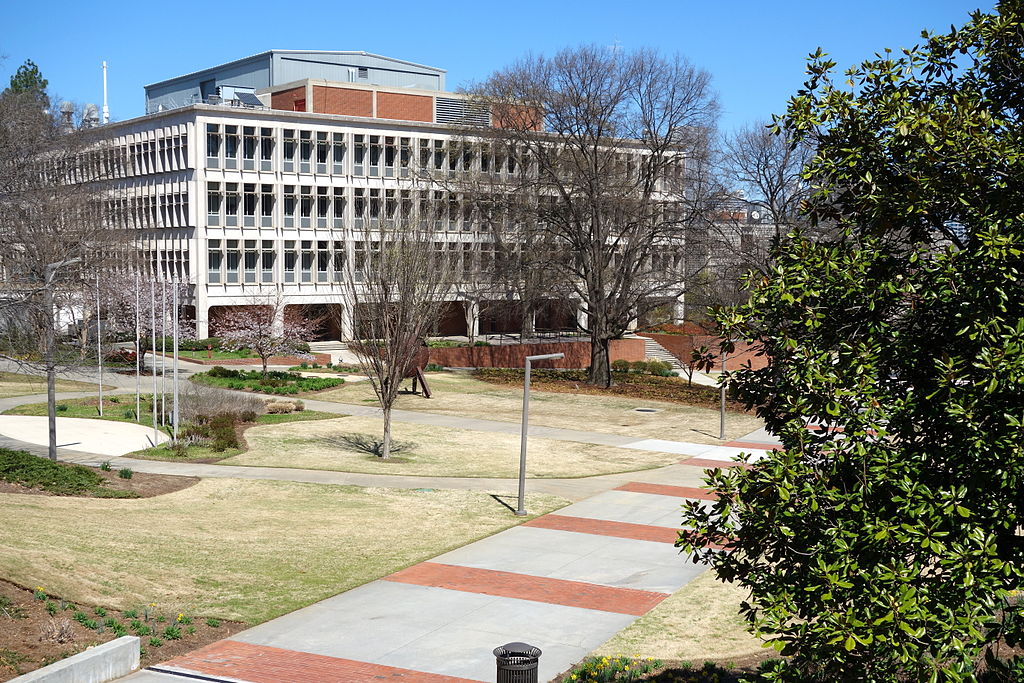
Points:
x=433, y=451
x=246, y=550
x=13, y=384
x=699, y=621
x=458, y=394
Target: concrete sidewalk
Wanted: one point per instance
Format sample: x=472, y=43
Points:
x=565, y=582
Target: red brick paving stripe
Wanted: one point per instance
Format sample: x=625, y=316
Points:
x=701, y=462
x=603, y=527
x=665, y=490
x=525, y=587
x=754, y=444
x=263, y=664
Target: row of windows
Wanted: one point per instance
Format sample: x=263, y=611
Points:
x=253, y=148
x=253, y=261
x=308, y=206
x=158, y=210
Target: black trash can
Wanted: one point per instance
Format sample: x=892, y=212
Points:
x=517, y=663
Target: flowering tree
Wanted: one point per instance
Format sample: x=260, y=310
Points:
x=126, y=297
x=267, y=329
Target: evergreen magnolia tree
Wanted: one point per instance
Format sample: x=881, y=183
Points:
x=886, y=545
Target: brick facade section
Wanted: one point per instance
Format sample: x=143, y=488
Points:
x=263, y=664
x=343, y=101
x=665, y=490
x=535, y=588
x=577, y=354
x=516, y=117
x=603, y=527
x=405, y=107
x=286, y=98
x=681, y=345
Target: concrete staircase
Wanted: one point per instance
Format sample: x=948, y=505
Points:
x=653, y=349
x=327, y=346
x=337, y=350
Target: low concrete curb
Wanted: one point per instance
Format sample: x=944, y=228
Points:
x=97, y=664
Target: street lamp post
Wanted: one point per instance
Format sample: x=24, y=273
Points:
x=521, y=510
x=721, y=411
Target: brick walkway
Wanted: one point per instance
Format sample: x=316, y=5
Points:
x=261, y=664
x=564, y=582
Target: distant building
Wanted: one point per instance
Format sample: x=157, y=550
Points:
x=267, y=174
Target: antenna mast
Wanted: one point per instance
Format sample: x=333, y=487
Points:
x=106, y=110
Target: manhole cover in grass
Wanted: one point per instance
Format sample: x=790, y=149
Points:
x=645, y=410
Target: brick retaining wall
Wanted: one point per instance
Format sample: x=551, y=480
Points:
x=577, y=354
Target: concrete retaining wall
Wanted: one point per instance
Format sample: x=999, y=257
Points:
x=102, y=663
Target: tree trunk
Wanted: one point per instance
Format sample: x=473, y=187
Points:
x=51, y=375
x=264, y=359
x=386, y=449
x=600, y=367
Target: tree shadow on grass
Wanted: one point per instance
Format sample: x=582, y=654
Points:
x=369, y=445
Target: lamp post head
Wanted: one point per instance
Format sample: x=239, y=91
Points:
x=546, y=356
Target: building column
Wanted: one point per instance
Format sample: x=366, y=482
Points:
x=277, y=326
x=347, y=322
x=679, y=309
x=581, y=316
x=202, y=320
x=472, y=319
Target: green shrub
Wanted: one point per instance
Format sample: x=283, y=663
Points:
x=51, y=607
x=61, y=407
x=100, y=612
x=156, y=642
x=639, y=366
x=129, y=614
x=21, y=467
x=220, y=371
x=172, y=632
x=213, y=623
x=105, y=466
x=482, y=342
x=129, y=413
x=125, y=473
x=222, y=431
x=620, y=365
x=433, y=367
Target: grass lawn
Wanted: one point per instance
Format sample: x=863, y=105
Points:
x=433, y=451
x=234, y=549
x=458, y=394
x=120, y=408
x=699, y=621
x=206, y=454
x=13, y=384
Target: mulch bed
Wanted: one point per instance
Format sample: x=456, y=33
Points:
x=144, y=484
x=24, y=647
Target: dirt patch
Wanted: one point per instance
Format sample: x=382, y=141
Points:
x=143, y=484
x=24, y=623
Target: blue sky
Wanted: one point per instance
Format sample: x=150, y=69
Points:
x=755, y=51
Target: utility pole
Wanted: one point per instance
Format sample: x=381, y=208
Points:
x=521, y=509
x=152, y=310
x=99, y=342
x=174, y=313
x=138, y=352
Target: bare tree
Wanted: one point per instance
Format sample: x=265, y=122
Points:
x=766, y=167
x=396, y=284
x=268, y=328
x=601, y=155
x=55, y=229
